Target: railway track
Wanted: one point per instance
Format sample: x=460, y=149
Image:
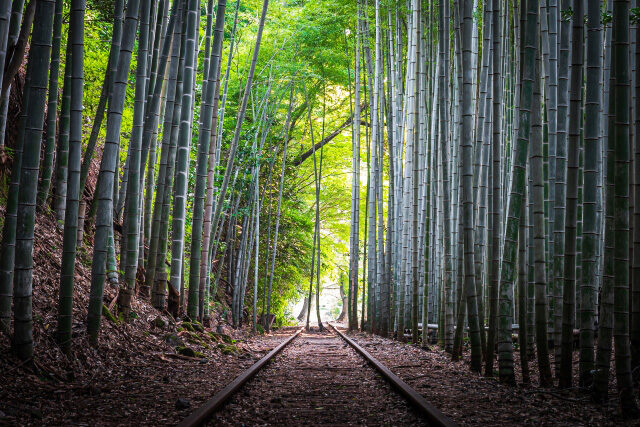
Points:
x=319, y=378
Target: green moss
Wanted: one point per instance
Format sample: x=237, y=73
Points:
x=189, y=352
x=109, y=315
x=197, y=326
x=188, y=326
x=223, y=337
x=194, y=337
x=185, y=351
x=228, y=349
x=194, y=326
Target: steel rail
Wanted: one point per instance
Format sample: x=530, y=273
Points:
x=433, y=414
x=200, y=415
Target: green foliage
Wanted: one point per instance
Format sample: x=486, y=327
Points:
x=304, y=41
x=566, y=14
x=103, y=10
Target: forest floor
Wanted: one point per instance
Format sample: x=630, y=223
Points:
x=136, y=374
x=155, y=370
x=472, y=399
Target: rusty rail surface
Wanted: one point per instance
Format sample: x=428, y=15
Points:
x=433, y=414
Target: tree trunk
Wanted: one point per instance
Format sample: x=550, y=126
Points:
x=52, y=107
x=196, y=286
x=37, y=77
x=589, y=284
x=104, y=191
x=621, y=92
x=67, y=274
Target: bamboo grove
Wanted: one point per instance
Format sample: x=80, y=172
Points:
x=494, y=171
x=502, y=184
x=137, y=209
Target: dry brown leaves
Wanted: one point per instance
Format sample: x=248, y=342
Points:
x=131, y=377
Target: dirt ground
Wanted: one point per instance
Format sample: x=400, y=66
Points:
x=472, y=399
x=135, y=376
x=155, y=370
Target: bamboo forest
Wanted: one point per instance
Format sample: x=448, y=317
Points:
x=328, y=212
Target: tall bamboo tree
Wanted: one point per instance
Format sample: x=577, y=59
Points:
x=132, y=218
x=592, y=150
x=621, y=98
x=505, y=344
x=52, y=106
x=569, y=294
x=182, y=159
x=496, y=203
x=104, y=190
x=37, y=74
x=196, y=295
x=279, y=211
x=467, y=190
x=67, y=275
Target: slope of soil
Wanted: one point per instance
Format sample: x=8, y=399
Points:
x=134, y=376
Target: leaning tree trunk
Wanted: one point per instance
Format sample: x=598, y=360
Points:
x=7, y=246
x=107, y=90
x=343, y=299
x=104, y=191
x=62, y=148
x=132, y=218
x=302, y=316
x=5, y=23
x=16, y=36
x=240, y=119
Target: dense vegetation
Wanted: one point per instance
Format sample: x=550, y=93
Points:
x=287, y=57
x=465, y=167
